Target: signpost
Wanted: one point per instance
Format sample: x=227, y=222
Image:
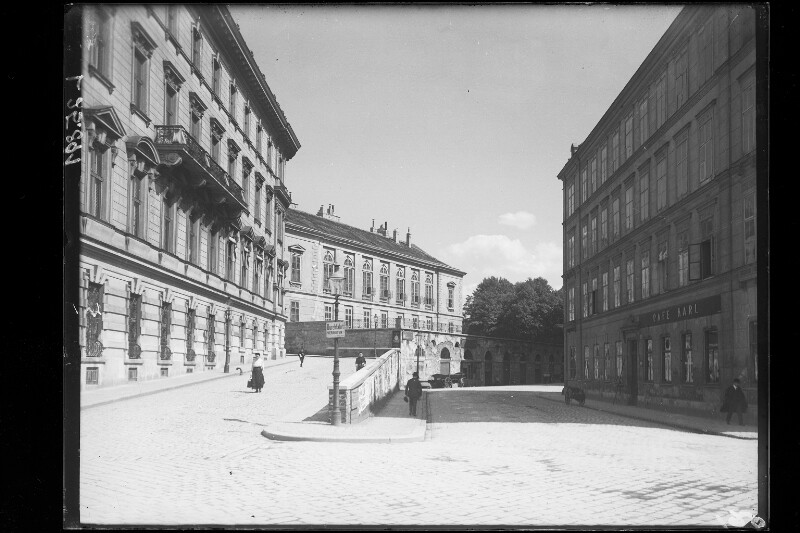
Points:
x=334, y=330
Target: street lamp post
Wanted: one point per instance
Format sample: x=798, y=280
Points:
x=226, y=368
x=336, y=285
x=375, y=338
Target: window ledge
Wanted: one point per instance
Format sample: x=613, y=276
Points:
x=102, y=78
x=92, y=361
x=134, y=362
x=136, y=111
x=164, y=362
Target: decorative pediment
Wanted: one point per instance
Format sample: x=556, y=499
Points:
x=247, y=164
x=141, y=40
x=247, y=233
x=260, y=242
x=451, y=284
x=297, y=249
x=167, y=296
x=96, y=274
x=259, y=178
x=198, y=107
x=142, y=151
x=216, y=128
x=270, y=251
x=105, y=119
x=172, y=76
x=233, y=147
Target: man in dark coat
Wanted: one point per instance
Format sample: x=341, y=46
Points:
x=302, y=356
x=734, y=402
x=413, y=393
x=361, y=361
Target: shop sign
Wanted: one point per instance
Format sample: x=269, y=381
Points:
x=682, y=311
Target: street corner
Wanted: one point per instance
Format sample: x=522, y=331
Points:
x=368, y=432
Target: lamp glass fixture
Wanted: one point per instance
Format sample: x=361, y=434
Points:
x=336, y=284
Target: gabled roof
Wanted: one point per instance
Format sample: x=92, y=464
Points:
x=359, y=238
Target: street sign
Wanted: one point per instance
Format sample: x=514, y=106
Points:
x=334, y=329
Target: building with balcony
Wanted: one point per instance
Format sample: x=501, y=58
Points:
x=182, y=196
x=660, y=223
x=389, y=282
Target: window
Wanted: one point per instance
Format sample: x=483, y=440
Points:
x=663, y=273
x=617, y=286
x=366, y=278
x=295, y=275
x=216, y=139
x=593, y=235
x=143, y=47
x=232, y=160
x=294, y=311
x=584, y=241
x=593, y=297
x=246, y=127
x=401, y=285
x=415, y=287
x=213, y=241
x=190, y=323
x=682, y=165
x=279, y=277
x=605, y=291
x=257, y=201
x=100, y=46
x=259, y=131
x=615, y=151
x=585, y=300
x=328, y=312
x=134, y=325
x=211, y=322
x=259, y=265
x=198, y=109
x=570, y=199
x=661, y=101
x=661, y=183
x=681, y=78
x=571, y=249
x=706, y=53
x=586, y=362
x=241, y=333
x=593, y=175
x=645, y=258
x=748, y=117
x=705, y=154
x=619, y=359
x=701, y=256
x=349, y=275
x=644, y=193
x=164, y=372
x=384, y=281
x=270, y=163
x=327, y=270
x=596, y=361
x=133, y=374
x=629, y=136
x=603, y=164
x=573, y=364
x=92, y=374
x=648, y=360
x=191, y=239
x=165, y=353
x=279, y=224
x=629, y=207
x=629, y=281
x=753, y=339
x=230, y=258
x=167, y=226
x=615, y=218
x=197, y=46
x=712, y=357
x=245, y=258
x=644, y=131
x=94, y=319
x=604, y=227
x=98, y=174
x=384, y=319
x=571, y=303
x=687, y=371
x=367, y=314
x=451, y=298
x=232, y=92
x=667, y=359
x=584, y=185
x=216, y=75
x=683, y=258
x=749, y=217
x=606, y=362
x=415, y=321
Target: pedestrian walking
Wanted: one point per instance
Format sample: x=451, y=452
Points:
x=258, y=373
x=413, y=393
x=361, y=361
x=734, y=402
x=302, y=356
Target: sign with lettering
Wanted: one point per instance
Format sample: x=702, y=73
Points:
x=682, y=311
x=395, y=339
x=334, y=329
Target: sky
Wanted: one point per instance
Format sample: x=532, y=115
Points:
x=453, y=121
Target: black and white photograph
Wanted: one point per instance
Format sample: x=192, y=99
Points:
x=318, y=276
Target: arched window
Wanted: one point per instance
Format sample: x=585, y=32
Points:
x=327, y=265
x=400, y=292
x=444, y=363
x=349, y=275
x=366, y=269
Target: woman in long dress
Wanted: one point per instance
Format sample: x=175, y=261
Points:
x=258, y=373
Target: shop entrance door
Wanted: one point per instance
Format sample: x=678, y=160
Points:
x=633, y=366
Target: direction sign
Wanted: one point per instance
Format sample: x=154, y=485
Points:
x=334, y=329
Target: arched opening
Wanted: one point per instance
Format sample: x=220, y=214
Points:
x=457, y=345
x=468, y=368
x=487, y=370
x=523, y=370
x=444, y=362
x=506, y=369
x=550, y=368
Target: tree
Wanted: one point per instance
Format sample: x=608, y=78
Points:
x=484, y=306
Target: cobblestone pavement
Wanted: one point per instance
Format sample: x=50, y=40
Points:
x=195, y=456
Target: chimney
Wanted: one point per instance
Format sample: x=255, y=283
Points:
x=372, y=229
x=321, y=211
x=408, y=238
x=394, y=236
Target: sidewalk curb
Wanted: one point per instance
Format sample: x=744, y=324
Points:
x=417, y=435
x=663, y=423
x=172, y=387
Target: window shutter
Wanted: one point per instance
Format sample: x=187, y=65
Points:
x=695, y=262
x=706, y=258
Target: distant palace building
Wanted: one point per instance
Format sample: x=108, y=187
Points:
x=183, y=196
x=660, y=223
x=386, y=278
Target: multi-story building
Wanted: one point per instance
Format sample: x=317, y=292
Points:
x=660, y=223
x=182, y=195
x=386, y=279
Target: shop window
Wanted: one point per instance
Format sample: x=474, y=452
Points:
x=190, y=323
x=586, y=362
x=596, y=361
x=687, y=369
x=165, y=353
x=648, y=360
x=619, y=358
x=667, y=359
x=606, y=362
x=712, y=357
x=94, y=319
x=134, y=326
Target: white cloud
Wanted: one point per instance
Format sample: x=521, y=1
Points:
x=482, y=256
x=520, y=219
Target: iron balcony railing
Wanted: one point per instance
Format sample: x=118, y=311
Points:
x=177, y=136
